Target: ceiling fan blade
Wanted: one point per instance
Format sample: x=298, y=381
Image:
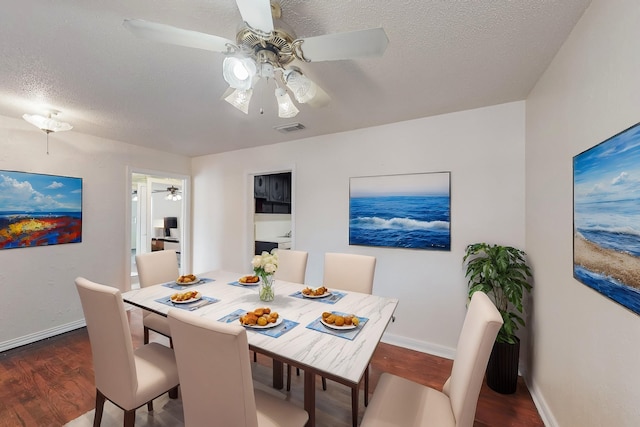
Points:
x=167, y=34
x=351, y=45
x=256, y=13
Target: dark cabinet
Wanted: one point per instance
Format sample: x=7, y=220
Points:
x=287, y=188
x=276, y=188
x=261, y=186
x=272, y=193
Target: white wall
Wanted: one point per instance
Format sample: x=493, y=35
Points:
x=39, y=298
x=584, y=364
x=483, y=149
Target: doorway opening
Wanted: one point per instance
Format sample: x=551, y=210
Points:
x=273, y=211
x=159, y=217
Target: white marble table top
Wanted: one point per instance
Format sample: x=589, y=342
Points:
x=325, y=353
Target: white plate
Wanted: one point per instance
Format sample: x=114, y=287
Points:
x=326, y=294
x=267, y=326
x=188, y=283
x=249, y=284
x=187, y=301
x=339, y=328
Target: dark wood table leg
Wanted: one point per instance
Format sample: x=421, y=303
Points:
x=278, y=370
x=354, y=405
x=310, y=397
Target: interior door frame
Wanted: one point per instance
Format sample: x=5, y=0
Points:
x=185, y=229
x=250, y=208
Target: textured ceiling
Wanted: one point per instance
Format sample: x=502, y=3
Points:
x=443, y=56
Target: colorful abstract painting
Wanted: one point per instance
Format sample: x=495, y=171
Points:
x=606, y=218
x=39, y=210
x=401, y=211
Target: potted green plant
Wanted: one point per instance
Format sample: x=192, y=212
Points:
x=502, y=273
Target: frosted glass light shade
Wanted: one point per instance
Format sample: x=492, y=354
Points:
x=286, y=107
x=305, y=90
x=47, y=124
x=302, y=88
x=240, y=99
x=239, y=72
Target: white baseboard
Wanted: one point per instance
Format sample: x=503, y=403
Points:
x=541, y=404
x=421, y=346
x=48, y=333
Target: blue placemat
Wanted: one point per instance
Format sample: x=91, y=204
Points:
x=349, y=334
x=331, y=299
x=274, y=332
x=203, y=302
x=249, y=286
x=174, y=285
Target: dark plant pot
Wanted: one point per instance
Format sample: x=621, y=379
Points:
x=502, y=369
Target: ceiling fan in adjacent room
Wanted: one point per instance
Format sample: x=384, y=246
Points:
x=265, y=49
x=173, y=193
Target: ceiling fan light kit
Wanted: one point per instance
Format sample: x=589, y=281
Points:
x=239, y=72
x=239, y=98
x=286, y=107
x=173, y=193
x=261, y=50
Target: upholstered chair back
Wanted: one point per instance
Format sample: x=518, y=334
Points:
x=110, y=338
x=157, y=267
x=292, y=266
x=475, y=343
x=215, y=372
x=350, y=272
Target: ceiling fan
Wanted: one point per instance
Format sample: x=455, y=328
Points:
x=265, y=50
x=173, y=193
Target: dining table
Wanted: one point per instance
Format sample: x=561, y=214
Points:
x=300, y=338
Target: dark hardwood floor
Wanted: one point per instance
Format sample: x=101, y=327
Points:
x=50, y=383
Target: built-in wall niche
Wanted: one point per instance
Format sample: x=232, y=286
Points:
x=272, y=193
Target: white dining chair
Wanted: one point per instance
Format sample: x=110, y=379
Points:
x=129, y=378
x=154, y=268
x=292, y=265
x=215, y=376
x=350, y=272
x=401, y=402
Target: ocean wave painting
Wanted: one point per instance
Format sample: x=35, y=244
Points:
x=402, y=211
x=606, y=218
x=39, y=210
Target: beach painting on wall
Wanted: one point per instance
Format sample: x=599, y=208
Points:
x=39, y=210
x=401, y=211
x=606, y=218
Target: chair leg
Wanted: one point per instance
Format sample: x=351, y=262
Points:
x=354, y=405
x=146, y=335
x=97, y=417
x=298, y=371
x=150, y=406
x=173, y=393
x=255, y=356
x=366, y=386
x=130, y=418
x=324, y=383
x=289, y=377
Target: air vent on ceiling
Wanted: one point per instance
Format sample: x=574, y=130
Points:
x=291, y=127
